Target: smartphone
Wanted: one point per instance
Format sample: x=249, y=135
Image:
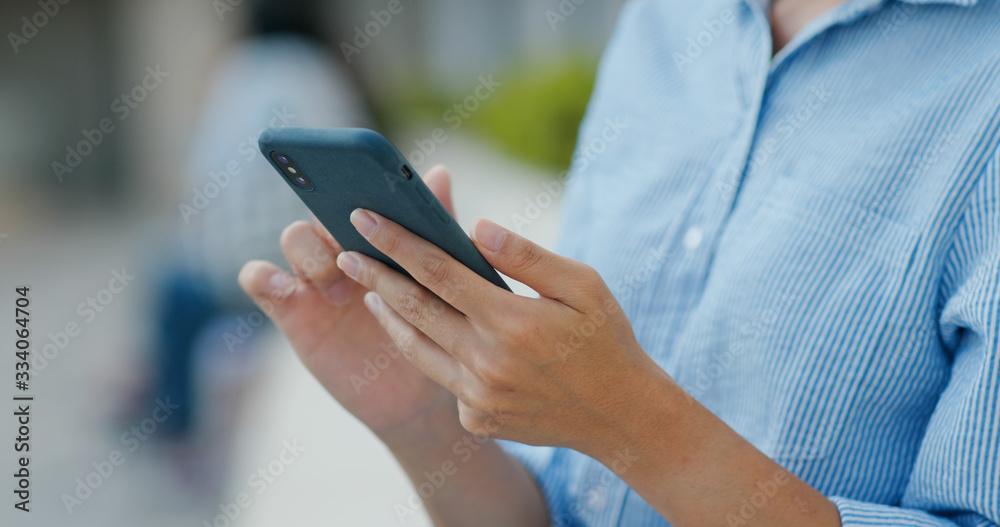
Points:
x=337, y=170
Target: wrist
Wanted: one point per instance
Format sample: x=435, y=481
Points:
x=438, y=424
x=649, y=412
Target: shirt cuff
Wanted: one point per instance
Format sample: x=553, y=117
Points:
x=859, y=513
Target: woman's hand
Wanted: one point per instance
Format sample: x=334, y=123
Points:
x=553, y=370
x=321, y=313
x=565, y=370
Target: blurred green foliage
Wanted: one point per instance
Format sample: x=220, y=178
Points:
x=533, y=116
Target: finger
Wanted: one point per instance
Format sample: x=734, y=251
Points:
x=325, y=235
x=314, y=262
x=551, y=275
x=418, y=306
x=438, y=180
x=451, y=281
x=416, y=346
x=268, y=286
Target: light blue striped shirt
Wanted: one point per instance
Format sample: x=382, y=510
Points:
x=809, y=244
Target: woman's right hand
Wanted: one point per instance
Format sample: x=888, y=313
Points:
x=321, y=312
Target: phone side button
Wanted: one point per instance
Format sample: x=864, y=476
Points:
x=426, y=194
x=441, y=213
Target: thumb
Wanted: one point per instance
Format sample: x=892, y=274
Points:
x=551, y=275
x=439, y=181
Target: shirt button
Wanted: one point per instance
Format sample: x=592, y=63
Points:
x=693, y=238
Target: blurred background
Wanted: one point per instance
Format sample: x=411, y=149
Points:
x=131, y=191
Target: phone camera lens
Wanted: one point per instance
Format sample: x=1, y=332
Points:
x=282, y=159
x=302, y=181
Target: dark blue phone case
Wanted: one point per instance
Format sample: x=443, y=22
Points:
x=354, y=168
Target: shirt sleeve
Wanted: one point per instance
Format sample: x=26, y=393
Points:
x=548, y=466
x=956, y=475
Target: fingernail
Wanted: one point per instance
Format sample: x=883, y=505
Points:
x=364, y=222
x=282, y=284
x=489, y=235
x=340, y=293
x=372, y=302
x=348, y=263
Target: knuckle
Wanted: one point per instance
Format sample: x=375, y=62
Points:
x=496, y=377
x=495, y=374
x=474, y=421
x=388, y=242
x=411, y=307
x=434, y=270
x=517, y=331
x=525, y=256
x=588, y=274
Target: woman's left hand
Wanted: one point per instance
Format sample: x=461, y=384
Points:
x=554, y=370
